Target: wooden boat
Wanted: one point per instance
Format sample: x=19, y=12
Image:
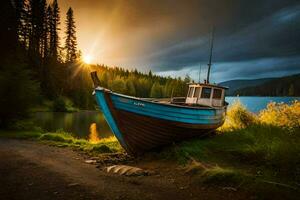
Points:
x=143, y=124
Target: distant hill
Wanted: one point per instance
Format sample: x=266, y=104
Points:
x=239, y=84
x=284, y=86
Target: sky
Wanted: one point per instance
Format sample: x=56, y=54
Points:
x=253, y=39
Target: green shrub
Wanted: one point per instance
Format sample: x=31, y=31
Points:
x=18, y=92
x=282, y=115
x=238, y=117
x=59, y=105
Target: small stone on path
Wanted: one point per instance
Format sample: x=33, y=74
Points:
x=126, y=170
x=90, y=161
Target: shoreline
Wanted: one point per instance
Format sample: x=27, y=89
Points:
x=69, y=177
x=253, y=155
x=74, y=175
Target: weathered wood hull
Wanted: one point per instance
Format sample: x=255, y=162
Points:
x=141, y=125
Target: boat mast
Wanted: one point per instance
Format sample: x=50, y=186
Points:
x=211, y=51
x=199, y=81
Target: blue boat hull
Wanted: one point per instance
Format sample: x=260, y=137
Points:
x=142, y=125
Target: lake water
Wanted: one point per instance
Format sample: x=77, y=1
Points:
x=80, y=123
x=77, y=123
x=255, y=104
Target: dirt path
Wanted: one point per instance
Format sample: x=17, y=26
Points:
x=30, y=170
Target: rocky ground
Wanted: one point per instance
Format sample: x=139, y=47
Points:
x=31, y=170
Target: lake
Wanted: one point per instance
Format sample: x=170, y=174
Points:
x=77, y=123
x=80, y=123
x=255, y=104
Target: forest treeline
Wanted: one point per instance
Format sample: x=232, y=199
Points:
x=284, y=86
x=139, y=84
x=36, y=64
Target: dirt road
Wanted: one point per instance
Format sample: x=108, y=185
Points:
x=30, y=170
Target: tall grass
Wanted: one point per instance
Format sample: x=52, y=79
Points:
x=238, y=117
x=282, y=115
x=260, y=143
x=64, y=139
x=275, y=114
x=105, y=145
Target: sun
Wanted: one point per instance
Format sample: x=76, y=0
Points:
x=87, y=59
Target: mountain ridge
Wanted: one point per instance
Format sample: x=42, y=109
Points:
x=275, y=86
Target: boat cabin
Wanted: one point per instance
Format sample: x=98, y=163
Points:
x=206, y=95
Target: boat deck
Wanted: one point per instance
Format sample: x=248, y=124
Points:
x=176, y=101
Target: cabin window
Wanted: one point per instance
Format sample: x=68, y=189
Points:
x=206, y=92
x=190, y=93
x=217, y=94
x=197, y=92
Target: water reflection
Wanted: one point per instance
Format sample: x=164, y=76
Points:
x=79, y=123
x=94, y=135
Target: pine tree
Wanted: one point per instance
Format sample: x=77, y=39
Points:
x=71, y=41
x=43, y=28
x=37, y=17
x=47, y=35
x=54, y=28
x=130, y=87
x=156, y=90
x=20, y=8
x=24, y=26
x=8, y=31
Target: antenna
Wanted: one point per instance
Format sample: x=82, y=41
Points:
x=199, y=74
x=211, y=51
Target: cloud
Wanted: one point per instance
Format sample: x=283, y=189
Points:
x=257, y=68
x=276, y=35
x=171, y=37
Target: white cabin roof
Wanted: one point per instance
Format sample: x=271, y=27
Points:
x=207, y=85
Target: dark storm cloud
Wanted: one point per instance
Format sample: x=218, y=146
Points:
x=253, y=37
x=258, y=68
x=276, y=35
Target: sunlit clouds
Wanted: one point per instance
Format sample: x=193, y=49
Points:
x=172, y=37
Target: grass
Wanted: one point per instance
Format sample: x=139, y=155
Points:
x=250, y=150
x=105, y=145
x=63, y=139
x=221, y=176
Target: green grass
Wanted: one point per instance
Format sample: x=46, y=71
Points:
x=249, y=151
x=256, y=145
x=261, y=159
x=107, y=145
x=62, y=139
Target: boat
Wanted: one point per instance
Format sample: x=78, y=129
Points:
x=143, y=124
